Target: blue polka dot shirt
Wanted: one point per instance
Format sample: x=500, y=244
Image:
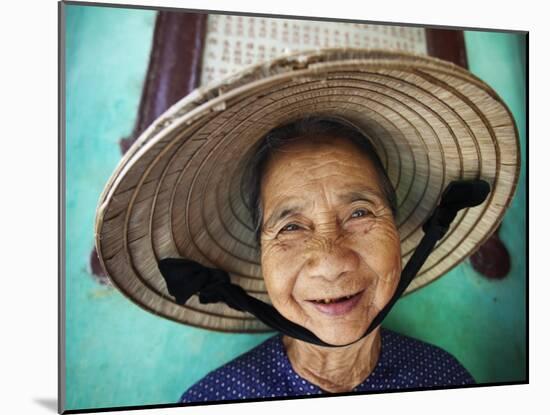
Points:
x=265, y=371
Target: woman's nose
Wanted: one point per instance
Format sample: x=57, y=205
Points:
x=331, y=260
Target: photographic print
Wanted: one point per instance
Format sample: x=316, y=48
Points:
x=272, y=207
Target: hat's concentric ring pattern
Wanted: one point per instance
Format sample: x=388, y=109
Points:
x=178, y=191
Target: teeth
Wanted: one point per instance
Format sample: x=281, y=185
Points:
x=328, y=300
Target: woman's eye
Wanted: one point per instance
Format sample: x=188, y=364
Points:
x=290, y=227
x=359, y=213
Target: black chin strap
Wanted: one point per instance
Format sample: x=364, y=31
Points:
x=185, y=277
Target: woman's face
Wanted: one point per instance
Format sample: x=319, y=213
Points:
x=329, y=245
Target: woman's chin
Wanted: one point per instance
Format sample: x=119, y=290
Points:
x=338, y=336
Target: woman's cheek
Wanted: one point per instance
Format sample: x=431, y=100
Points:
x=280, y=268
x=380, y=245
x=387, y=264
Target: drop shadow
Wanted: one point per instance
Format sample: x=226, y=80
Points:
x=48, y=403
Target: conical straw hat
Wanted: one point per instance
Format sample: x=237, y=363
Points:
x=177, y=192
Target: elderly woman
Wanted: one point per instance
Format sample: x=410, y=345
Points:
x=271, y=181
x=331, y=260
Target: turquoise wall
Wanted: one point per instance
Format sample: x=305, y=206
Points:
x=118, y=354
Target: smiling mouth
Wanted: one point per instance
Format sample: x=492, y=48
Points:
x=334, y=300
x=337, y=306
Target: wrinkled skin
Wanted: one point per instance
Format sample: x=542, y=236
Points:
x=328, y=232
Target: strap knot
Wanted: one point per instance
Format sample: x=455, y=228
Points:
x=185, y=277
x=217, y=281
x=459, y=194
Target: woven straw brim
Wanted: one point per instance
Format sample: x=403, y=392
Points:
x=177, y=192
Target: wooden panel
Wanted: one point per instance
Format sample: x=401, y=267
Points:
x=448, y=45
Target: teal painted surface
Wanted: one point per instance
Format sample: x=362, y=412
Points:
x=118, y=354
